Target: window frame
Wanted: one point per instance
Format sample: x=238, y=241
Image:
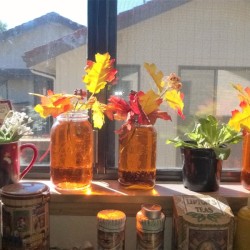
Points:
x=102, y=37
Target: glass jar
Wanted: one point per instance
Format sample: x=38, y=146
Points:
x=137, y=157
x=245, y=172
x=71, y=151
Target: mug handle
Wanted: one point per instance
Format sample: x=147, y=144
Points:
x=35, y=154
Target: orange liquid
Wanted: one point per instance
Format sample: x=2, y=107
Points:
x=71, y=154
x=245, y=173
x=137, y=158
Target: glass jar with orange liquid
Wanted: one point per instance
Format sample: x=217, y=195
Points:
x=71, y=151
x=245, y=172
x=137, y=157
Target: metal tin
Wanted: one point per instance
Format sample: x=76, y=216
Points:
x=25, y=216
x=202, y=222
x=111, y=226
x=150, y=227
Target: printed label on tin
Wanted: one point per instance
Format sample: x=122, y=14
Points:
x=205, y=205
x=111, y=240
x=25, y=227
x=152, y=241
x=208, y=239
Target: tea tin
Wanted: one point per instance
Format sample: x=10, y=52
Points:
x=25, y=216
x=202, y=222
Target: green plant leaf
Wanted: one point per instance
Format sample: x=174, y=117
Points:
x=209, y=133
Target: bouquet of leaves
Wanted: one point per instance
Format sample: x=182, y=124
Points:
x=99, y=73
x=240, y=119
x=144, y=107
x=15, y=126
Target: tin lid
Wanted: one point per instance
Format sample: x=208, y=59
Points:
x=150, y=219
x=111, y=220
x=25, y=190
x=151, y=211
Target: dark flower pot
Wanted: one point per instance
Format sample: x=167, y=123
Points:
x=201, y=170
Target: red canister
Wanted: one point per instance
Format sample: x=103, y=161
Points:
x=25, y=216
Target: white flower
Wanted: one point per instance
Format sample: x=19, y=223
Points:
x=15, y=126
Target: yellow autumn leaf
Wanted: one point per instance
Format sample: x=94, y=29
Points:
x=156, y=76
x=174, y=99
x=40, y=110
x=243, y=94
x=149, y=101
x=99, y=73
x=240, y=120
x=98, y=116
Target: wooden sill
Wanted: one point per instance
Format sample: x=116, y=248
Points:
x=110, y=195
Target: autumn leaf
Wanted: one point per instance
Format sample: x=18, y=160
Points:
x=158, y=114
x=98, y=114
x=240, y=120
x=149, y=101
x=117, y=108
x=156, y=76
x=175, y=100
x=243, y=94
x=53, y=104
x=99, y=73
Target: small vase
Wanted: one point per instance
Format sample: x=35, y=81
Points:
x=201, y=170
x=245, y=172
x=137, y=157
x=71, y=151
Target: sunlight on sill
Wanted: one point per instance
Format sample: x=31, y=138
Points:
x=163, y=189
x=109, y=194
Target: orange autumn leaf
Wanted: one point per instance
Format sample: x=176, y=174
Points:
x=241, y=119
x=243, y=94
x=149, y=101
x=175, y=100
x=158, y=114
x=53, y=104
x=117, y=108
x=99, y=73
x=156, y=76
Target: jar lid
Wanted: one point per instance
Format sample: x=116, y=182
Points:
x=150, y=218
x=151, y=211
x=25, y=190
x=111, y=220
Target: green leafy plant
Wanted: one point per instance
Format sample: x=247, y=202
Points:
x=208, y=132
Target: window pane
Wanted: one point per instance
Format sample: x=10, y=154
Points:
x=204, y=42
x=42, y=47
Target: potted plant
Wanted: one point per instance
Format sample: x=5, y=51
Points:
x=240, y=121
x=203, y=150
x=15, y=126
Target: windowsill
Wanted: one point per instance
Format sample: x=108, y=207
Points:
x=109, y=194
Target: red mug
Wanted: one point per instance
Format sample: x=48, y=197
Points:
x=10, y=161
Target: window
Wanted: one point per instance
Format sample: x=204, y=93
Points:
x=204, y=42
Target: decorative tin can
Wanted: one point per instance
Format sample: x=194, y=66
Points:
x=150, y=227
x=242, y=239
x=202, y=222
x=25, y=216
x=111, y=226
